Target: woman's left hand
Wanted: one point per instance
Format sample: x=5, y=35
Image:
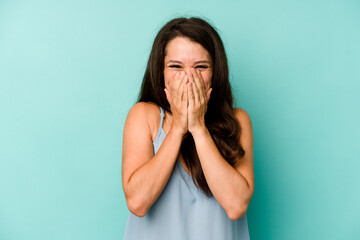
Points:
x=198, y=100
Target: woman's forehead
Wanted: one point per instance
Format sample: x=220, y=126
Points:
x=185, y=51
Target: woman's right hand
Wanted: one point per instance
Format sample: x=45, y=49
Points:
x=178, y=99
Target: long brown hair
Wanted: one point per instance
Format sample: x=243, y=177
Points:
x=219, y=118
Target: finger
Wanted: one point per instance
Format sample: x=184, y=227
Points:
x=202, y=93
x=192, y=73
x=181, y=89
x=195, y=89
x=178, y=77
x=200, y=85
x=201, y=80
x=185, y=92
x=174, y=84
x=178, y=90
x=188, y=94
x=191, y=94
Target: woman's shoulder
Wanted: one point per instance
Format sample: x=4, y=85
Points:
x=145, y=113
x=242, y=116
x=144, y=107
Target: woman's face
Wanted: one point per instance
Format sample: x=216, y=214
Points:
x=182, y=54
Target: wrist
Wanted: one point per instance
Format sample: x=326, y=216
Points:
x=177, y=131
x=200, y=132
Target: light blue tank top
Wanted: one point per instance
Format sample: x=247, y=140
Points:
x=183, y=212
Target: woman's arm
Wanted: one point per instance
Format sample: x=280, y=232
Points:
x=144, y=175
x=232, y=187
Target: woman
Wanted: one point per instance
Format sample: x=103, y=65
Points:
x=187, y=166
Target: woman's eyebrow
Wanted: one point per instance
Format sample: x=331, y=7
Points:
x=201, y=61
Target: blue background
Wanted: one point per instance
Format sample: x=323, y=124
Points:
x=71, y=70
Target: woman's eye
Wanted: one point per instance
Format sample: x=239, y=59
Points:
x=175, y=66
x=202, y=66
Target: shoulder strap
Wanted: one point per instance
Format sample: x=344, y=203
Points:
x=162, y=117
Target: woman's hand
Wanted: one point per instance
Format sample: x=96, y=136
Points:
x=178, y=100
x=198, y=100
